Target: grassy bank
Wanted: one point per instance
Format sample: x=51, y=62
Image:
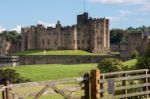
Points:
x=54, y=52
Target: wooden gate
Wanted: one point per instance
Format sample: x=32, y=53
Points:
x=120, y=85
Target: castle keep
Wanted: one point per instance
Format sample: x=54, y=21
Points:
x=88, y=34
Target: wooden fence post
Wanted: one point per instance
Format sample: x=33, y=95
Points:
x=95, y=84
x=7, y=90
x=3, y=95
x=86, y=86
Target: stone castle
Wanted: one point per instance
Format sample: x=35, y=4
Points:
x=88, y=34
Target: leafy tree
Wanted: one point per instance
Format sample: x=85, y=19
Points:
x=117, y=36
x=110, y=65
x=144, y=61
x=12, y=76
x=11, y=36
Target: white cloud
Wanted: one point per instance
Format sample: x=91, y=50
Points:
x=121, y=1
x=122, y=16
x=46, y=24
x=2, y=29
x=17, y=28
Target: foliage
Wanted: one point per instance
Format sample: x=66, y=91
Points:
x=130, y=63
x=143, y=62
x=134, y=54
x=11, y=36
x=110, y=65
x=117, y=36
x=12, y=76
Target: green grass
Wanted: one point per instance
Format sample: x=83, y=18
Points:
x=130, y=63
x=53, y=71
x=55, y=52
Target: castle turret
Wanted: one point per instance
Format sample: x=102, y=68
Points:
x=82, y=19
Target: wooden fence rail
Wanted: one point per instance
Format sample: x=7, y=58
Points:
x=115, y=85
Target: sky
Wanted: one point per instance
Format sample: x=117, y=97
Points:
x=15, y=14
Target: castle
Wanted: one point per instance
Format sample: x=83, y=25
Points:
x=88, y=34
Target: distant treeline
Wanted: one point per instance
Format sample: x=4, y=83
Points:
x=120, y=35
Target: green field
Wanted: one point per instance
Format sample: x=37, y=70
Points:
x=53, y=71
x=58, y=71
x=55, y=52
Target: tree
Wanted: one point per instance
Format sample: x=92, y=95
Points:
x=117, y=36
x=144, y=61
x=12, y=76
x=110, y=65
x=11, y=36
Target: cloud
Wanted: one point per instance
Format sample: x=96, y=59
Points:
x=145, y=7
x=17, y=28
x=2, y=29
x=121, y=1
x=122, y=16
x=46, y=24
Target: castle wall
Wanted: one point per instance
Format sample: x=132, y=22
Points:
x=62, y=59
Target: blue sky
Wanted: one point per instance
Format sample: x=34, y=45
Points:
x=122, y=13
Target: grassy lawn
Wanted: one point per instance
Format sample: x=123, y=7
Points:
x=55, y=52
x=130, y=63
x=53, y=71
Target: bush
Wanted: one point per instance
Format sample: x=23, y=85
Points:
x=110, y=65
x=12, y=76
x=134, y=54
x=143, y=63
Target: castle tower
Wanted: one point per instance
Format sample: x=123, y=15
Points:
x=59, y=36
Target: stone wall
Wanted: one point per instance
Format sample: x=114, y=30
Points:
x=71, y=59
x=9, y=61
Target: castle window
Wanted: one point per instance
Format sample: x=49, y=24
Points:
x=48, y=42
x=69, y=41
x=82, y=41
x=78, y=34
x=78, y=42
x=88, y=42
x=73, y=41
x=42, y=42
x=56, y=42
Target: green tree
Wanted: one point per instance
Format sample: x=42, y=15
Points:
x=11, y=36
x=144, y=61
x=110, y=65
x=12, y=76
x=117, y=36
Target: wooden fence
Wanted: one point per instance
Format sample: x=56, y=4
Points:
x=120, y=85
x=133, y=84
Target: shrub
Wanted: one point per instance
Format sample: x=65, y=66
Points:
x=134, y=54
x=110, y=65
x=12, y=76
x=143, y=63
